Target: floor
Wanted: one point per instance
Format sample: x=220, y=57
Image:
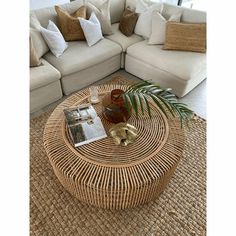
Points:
x=196, y=99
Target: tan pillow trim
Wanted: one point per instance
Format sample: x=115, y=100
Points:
x=185, y=37
x=69, y=24
x=34, y=59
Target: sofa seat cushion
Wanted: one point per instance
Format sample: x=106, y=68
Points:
x=121, y=39
x=43, y=75
x=80, y=56
x=184, y=65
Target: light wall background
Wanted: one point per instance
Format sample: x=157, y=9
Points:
x=36, y=4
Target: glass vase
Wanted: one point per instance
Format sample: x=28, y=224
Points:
x=114, y=109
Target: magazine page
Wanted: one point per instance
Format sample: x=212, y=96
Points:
x=84, y=124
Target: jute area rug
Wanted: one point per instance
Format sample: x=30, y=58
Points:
x=180, y=209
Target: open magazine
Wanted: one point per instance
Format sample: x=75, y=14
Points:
x=84, y=125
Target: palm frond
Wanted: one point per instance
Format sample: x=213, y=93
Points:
x=137, y=95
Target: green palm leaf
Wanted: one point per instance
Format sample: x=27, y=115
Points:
x=137, y=96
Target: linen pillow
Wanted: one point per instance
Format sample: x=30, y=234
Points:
x=102, y=13
x=128, y=22
x=69, y=24
x=40, y=45
x=54, y=39
x=92, y=29
x=143, y=25
x=185, y=37
x=158, y=28
x=34, y=59
x=142, y=6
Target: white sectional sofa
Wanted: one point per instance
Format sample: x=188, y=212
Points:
x=81, y=65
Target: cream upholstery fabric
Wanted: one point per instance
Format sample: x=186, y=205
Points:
x=158, y=31
x=143, y=26
x=49, y=13
x=102, y=12
x=80, y=79
x=164, y=78
x=43, y=96
x=121, y=39
x=40, y=45
x=185, y=65
x=79, y=56
x=188, y=15
x=133, y=3
x=43, y=75
x=116, y=8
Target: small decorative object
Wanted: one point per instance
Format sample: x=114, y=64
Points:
x=93, y=95
x=114, y=108
x=119, y=104
x=123, y=133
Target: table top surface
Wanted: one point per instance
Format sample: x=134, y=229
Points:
x=157, y=137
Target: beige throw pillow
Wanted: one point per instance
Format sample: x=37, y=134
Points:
x=185, y=37
x=34, y=59
x=40, y=45
x=102, y=12
x=158, y=31
x=69, y=24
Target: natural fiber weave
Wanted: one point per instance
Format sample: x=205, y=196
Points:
x=185, y=36
x=110, y=176
x=180, y=210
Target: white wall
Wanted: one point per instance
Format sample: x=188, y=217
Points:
x=36, y=4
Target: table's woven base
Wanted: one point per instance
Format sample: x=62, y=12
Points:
x=112, y=177
x=180, y=209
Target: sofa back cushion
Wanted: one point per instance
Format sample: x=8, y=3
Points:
x=39, y=43
x=131, y=4
x=49, y=13
x=117, y=8
x=45, y=14
x=188, y=15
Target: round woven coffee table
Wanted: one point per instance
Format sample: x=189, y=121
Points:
x=110, y=176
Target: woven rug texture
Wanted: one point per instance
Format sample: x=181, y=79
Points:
x=180, y=209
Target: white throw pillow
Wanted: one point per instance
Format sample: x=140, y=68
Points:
x=54, y=39
x=92, y=29
x=141, y=6
x=158, y=35
x=143, y=25
x=103, y=14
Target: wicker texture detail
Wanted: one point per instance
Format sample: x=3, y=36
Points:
x=185, y=37
x=110, y=176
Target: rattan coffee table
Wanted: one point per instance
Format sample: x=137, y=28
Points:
x=110, y=176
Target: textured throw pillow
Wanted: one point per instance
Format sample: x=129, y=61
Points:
x=40, y=45
x=54, y=39
x=103, y=14
x=158, y=33
x=185, y=37
x=143, y=25
x=34, y=59
x=69, y=24
x=92, y=29
x=128, y=22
